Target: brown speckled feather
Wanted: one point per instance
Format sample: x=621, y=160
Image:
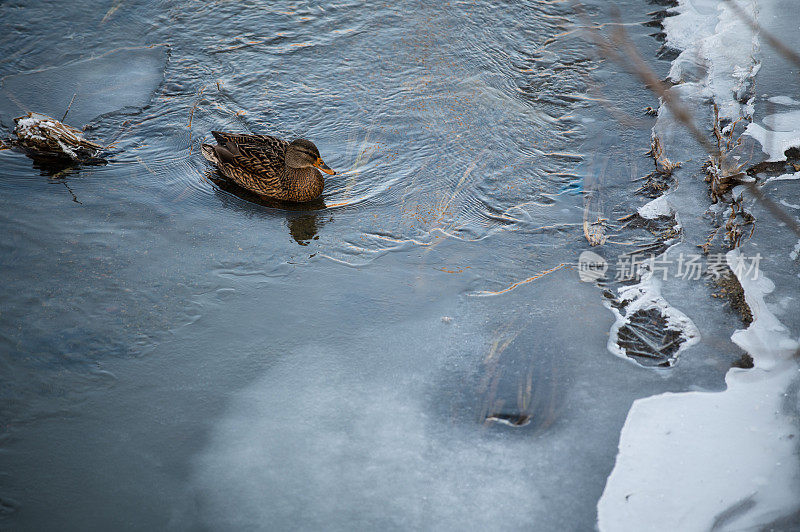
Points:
x=257, y=163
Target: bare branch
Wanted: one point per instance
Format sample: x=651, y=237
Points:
x=789, y=54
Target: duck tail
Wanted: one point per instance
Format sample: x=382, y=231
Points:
x=209, y=153
x=220, y=137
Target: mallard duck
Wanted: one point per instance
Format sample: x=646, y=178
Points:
x=269, y=166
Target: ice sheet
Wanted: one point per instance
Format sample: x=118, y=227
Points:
x=99, y=85
x=693, y=461
x=727, y=461
x=718, y=50
x=311, y=451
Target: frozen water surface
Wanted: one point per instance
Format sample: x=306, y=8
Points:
x=732, y=456
x=416, y=350
x=118, y=80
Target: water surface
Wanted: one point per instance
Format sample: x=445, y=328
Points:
x=176, y=354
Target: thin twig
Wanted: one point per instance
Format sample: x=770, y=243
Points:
x=74, y=197
x=773, y=41
x=68, y=107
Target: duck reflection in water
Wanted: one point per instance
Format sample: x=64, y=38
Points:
x=304, y=227
x=303, y=219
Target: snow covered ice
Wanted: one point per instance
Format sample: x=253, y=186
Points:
x=727, y=460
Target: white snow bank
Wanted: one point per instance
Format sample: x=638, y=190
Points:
x=718, y=48
x=728, y=460
x=769, y=338
x=695, y=461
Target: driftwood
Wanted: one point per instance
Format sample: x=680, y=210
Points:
x=44, y=137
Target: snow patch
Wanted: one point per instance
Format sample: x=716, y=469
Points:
x=717, y=51
x=782, y=132
x=784, y=177
x=28, y=127
x=656, y=208
x=701, y=461
x=643, y=296
x=783, y=100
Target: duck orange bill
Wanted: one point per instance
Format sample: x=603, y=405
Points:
x=324, y=167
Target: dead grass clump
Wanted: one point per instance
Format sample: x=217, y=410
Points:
x=729, y=288
x=745, y=362
x=665, y=230
x=663, y=165
x=658, y=181
x=655, y=184
x=44, y=137
x=738, y=227
x=647, y=338
x=723, y=171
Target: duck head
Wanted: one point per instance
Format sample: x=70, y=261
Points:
x=302, y=153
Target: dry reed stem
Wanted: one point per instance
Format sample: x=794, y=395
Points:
x=111, y=11
x=664, y=166
x=524, y=281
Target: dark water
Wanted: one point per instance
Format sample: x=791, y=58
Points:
x=175, y=355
